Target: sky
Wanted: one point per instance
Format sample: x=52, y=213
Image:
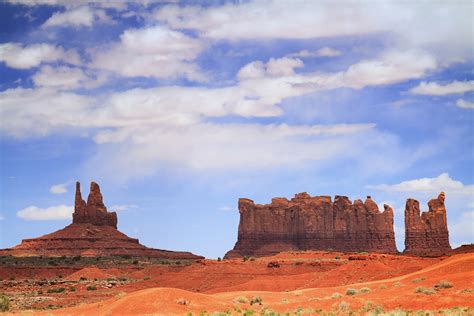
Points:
x=177, y=109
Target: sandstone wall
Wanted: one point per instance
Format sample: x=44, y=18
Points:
x=313, y=223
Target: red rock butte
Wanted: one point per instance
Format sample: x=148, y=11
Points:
x=93, y=233
x=426, y=234
x=313, y=223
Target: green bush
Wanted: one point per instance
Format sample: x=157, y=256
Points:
x=4, y=303
x=245, y=258
x=72, y=289
x=82, y=279
x=219, y=259
x=147, y=278
x=351, y=291
x=336, y=295
x=91, y=288
x=57, y=290
x=365, y=290
x=256, y=300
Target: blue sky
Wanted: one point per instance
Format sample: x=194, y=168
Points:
x=177, y=110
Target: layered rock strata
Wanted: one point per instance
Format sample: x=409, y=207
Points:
x=426, y=234
x=93, y=233
x=313, y=223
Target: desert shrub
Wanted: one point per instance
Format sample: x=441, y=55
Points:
x=219, y=259
x=343, y=307
x=57, y=290
x=285, y=301
x=182, y=301
x=110, y=279
x=123, y=279
x=424, y=290
x=338, y=257
x=382, y=286
x=82, y=278
x=147, y=278
x=418, y=280
x=365, y=290
x=249, y=312
x=397, y=284
x=72, y=289
x=135, y=262
x=351, y=291
x=443, y=285
x=91, y=288
x=4, y=303
x=126, y=257
x=76, y=258
x=241, y=299
x=245, y=258
x=336, y=295
x=256, y=300
x=367, y=306
x=60, y=276
x=40, y=292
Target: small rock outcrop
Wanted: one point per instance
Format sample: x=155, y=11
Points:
x=94, y=211
x=426, y=234
x=93, y=233
x=313, y=223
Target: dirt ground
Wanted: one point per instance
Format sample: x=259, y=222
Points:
x=304, y=283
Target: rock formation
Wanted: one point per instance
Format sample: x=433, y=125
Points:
x=94, y=212
x=92, y=233
x=426, y=234
x=313, y=223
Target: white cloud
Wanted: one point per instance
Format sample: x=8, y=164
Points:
x=34, y=213
x=465, y=104
x=226, y=208
x=260, y=89
x=121, y=208
x=443, y=182
x=15, y=55
x=27, y=112
x=77, y=17
x=152, y=52
x=434, y=88
x=461, y=231
x=322, y=52
x=59, y=188
x=409, y=25
x=65, y=77
x=389, y=68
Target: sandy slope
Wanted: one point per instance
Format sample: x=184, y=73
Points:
x=397, y=292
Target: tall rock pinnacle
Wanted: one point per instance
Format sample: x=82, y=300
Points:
x=426, y=234
x=94, y=211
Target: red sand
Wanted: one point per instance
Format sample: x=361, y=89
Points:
x=399, y=293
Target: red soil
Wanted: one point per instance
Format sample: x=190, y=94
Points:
x=89, y=273
x=398, y=293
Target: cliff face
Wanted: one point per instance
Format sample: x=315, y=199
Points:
x=313, y=223
x=426, y=234
x=94, y=211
